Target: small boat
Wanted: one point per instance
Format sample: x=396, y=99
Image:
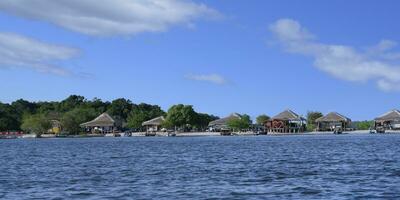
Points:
x=26, y=136
x=109, y=135
x=226, y=132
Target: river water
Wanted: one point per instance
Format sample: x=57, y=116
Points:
x=262, y=167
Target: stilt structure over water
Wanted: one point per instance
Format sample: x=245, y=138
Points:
x=388, y=121
x=102, y=124
x=332, y=122
x=286, y=122
x=154, y=125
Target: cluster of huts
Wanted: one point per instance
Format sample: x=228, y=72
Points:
x=284, y=122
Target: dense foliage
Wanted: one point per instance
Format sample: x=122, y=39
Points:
x=262, y=119
x=75, y=110
x=312, y=116
x=239, y=124
x=363, y=125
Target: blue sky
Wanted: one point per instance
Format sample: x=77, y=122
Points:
x=221, y=56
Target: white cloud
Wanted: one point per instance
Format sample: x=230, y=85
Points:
x=110, y=17
x=17, y=51
x=344, y=62
x=211, y=78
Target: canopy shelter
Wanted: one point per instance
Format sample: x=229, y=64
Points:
x=222, y=124
x=388, y=121
x=102, y=124
x=154, y=125
x=333, y=121
x=286, y=122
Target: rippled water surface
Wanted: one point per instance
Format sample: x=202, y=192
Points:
x=288, y=167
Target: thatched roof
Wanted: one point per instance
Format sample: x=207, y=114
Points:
x=102, y=120
x=224, y=121
x=288, y=115
x=393, y=115
x=154, y=122
x=333, y=117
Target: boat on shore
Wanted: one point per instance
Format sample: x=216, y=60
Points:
x=28, y=136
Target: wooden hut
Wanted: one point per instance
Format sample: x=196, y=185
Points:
x=222, y=124
x=388, y=121
x=286, y=122
x=154, y=125
x=333, y=122
x=102, y=124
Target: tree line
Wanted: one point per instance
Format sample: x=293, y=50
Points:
x=37, y=117
x=23, y=115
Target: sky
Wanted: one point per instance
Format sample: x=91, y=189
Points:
x=221, y=56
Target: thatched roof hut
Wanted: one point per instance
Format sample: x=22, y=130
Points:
x=154, y=122
x=286, y=122
x=393, y=115
x=104, y=120
x=333, y=121
x=223, y=122
x=333, y=117
x=388, y=121
x=288, y=115
x=154, y=125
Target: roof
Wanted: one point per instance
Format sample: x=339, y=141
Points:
x=224, y=121
x=288, y=115
x=333, y=117
x=154, y=122
x=389, y=116
x=102, y=120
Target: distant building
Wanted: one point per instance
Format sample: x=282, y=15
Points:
x=388, y=121
x=333, y=121
x=102, y=124
x=286, y=122
x=220, y=124
x=55, y=127
x=154, y=125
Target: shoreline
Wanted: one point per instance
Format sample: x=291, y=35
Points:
x=205, y=134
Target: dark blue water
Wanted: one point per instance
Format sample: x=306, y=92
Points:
x=289, y=167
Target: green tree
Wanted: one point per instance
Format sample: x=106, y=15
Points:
x=72, y=120
x=238, y=124
x=181, y=115
x=262, y=119
x=71, y=102
x=9, y=118
x=141, y=113
x=312, y=116
x=363, y=125
x=203, y=119
x=120, y=108
x=36, y=123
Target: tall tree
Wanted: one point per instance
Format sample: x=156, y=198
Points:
x=238, y=124
x=203, y=119
x=141, y=113
x=181, y=115
x=9, y=118
x=120, y=108
x=262, y=119
x=71, y=102
x=312, y=116
x=36, y=123
x=71, y=120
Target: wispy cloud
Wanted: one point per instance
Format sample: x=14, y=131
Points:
x=17, y=51
x=377, y=63
x=111, y=17
x=211, y=78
